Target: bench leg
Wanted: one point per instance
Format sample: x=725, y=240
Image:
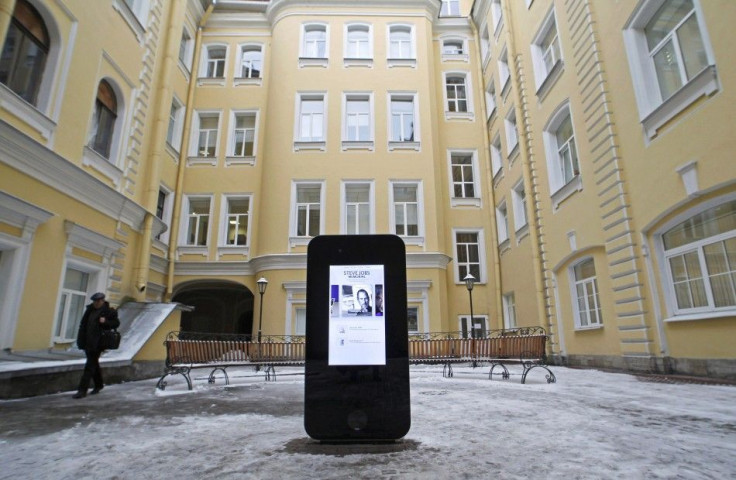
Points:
x=504, y=373
x=211, y=378
x=550, y=376
x=184, y=372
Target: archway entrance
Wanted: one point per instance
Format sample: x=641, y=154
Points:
x=219, y=307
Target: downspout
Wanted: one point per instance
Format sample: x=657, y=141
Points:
x=186, y=134
x=150, y=197
x=491, y=193
x=528, y=185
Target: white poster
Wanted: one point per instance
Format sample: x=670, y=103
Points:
x=357, y=328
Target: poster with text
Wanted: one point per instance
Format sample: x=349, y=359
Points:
x=357, y=333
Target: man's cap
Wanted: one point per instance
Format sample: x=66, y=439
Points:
x=98, y=296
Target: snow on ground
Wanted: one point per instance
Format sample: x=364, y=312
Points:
x=590, y=424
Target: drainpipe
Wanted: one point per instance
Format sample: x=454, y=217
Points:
x=153, y=172
x=186, y=134
x=6, y=14
x=528, y=185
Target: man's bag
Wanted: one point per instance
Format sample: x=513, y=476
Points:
x=109, y=340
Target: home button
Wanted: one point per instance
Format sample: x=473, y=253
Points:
x=357, y=420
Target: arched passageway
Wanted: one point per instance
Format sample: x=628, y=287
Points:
x=219, y=307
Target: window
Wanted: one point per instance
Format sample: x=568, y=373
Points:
x=586, y=300
x=140, y=9
x=496, y=15
x=509, y=311
x=490, y=99
x=206, y=128
x=186, y=48
x=105, y=117
x=464, y=179
x=562, y=154
x=496, y=162
x=251, y=62
x=311, y=118
x=358, y=41
x=236, y=221
x=518, y=197
x=163, y=211
x=700, y=257
x=401, y=45
x=670, y=58
x=450, y=8
x=176, y=122
x=479, y=328
x=504, y=74
x=214, y=61
x=243, y=135
x=301, y=321
x=402, y=124
x=407, y=210
x=357, y=208
x=72, y=302
x=469, y=256
x=25, y=52
x=307, y=210
x=485, y=45
x=412, y=314
x=198, y=220
x=314, y=41
x=454, y=47
x=502, y=222
x=546, y=51
x=358, y=126
x=457, y=93
x=512, y=134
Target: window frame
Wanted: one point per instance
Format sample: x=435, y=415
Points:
x=463, y=201
x=175, y=128
x=502, y=223
x=294, y=238
x=482, y=277
x=415, y=143
x=313, y=61
x=310, y=143
x=360, y=144
x=462, y=56
x=357, y=60
x=223, y=247
x=63, y=317
x=559, y=189
x=509, y=311
x=417, y=239
x=196, y=129
x=231, y=156
x=521, y=215
x=463, y=327
x=401, y=61
x=447, y=10
x=238, y=78
x=184, y=233
x=344, y=185
x=206, y=60
x=166, y=214
x=544, y=75
x=574, y=282
x=504, y=72
x=496, y=16
x=655, y=112
x=511, y=129
x=469, y=112
x=186, y=51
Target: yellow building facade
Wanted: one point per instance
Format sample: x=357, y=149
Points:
x=570, y=155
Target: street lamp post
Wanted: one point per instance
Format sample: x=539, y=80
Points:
x=469, y=281
x=262, y=284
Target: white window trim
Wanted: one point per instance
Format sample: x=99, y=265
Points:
x=136, y=16
x=491, y=103
x=477, y=200
x=176, y=139
x=520, y=211
x=371, y=204
x=496, y=16
x=504, y=72
x=497, y=157
x=185, y=64
x=408, y=240
x=574, y=296
x=368, y=144
x=559, y=191
x=511, y=128
x=396, y=145
x=97, y=278
x=349, y=61
x=294, y=240
x=231, y=159
x=502, y=222
x=183, y=247
x=305, y=61
x=401, y=61
x=653, y=112
x=509, y=300
x=163, y=240
x=222, y=247
x=202, y=78
x=470, y=114
x=485, y=46
x=455, y=57
x=237, y=79
x=300, y=144
x=194, y=157
x=544, y=79
x=109, y=167
x=481, y=255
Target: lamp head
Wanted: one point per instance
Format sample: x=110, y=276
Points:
x=469, y=281
x=262, y=284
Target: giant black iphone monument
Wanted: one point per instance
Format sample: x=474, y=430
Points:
x=356, y=386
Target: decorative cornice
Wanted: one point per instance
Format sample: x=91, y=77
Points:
x=35, y=160
x=90, y=240
x=22, y=214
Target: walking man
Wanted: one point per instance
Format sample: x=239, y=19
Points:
x=98, y=316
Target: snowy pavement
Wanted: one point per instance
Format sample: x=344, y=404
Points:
x=590, y=424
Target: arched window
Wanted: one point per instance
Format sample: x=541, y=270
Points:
x=25, y=52
x=103, y=126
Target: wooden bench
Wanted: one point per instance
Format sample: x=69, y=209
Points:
x=525, y=346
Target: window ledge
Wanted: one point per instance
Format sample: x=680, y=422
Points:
x=299, y=241
x=93, y=159
x=486, y=60
x=574, y=185
x=202, y=250
x=162, y=245
x=497, y=177
x=504, y=246
x=465, y=202
x=401, y=62
x=300, y=145
x=313, y=62
x=211, y=81
x=514, y=153
x=506, y=88
x=173, y=152
x=28, y=113
x=193, y=161
x=242, y=250
x=419, y=241
x=185, y=70
x=455, y=57
x=491, y=116
x=403, y=146
x=469, y=116
x=237, y=161
x=131, y=19
x=522, y=233
x=578, y=328
x=550, y=80
x=358, y=145
x=357, y=62
x=257, y=81
x=701, y=316
x=703, y=84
